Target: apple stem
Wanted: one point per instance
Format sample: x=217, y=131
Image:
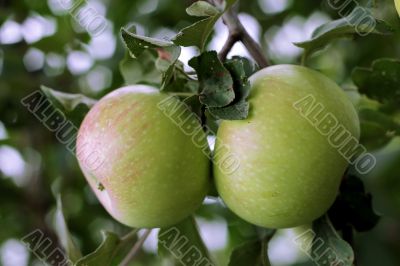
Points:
x=183, y=94
x=136, y=248
x=237, y=32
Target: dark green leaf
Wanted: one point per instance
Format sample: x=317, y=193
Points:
x=249, y=67
x=380, y=82
x=194, y=104
x=64, y=235
x=202, y=9
x=179, y=81
x=239, y=108
x=67, y=101
x=353, y=206
x=341, y=28
x=216, y=83
x=110, y=252
x=237, y=111
x=183, y=243
x=373, y=135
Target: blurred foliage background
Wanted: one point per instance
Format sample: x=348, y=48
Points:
x=42, y=44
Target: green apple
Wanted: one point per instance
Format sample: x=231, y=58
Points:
x=397, y=3
x=143, y=168
x=288, y=173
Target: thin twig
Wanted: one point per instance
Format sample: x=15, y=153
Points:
x=135, y=248
x=130, y=235
x=237, y=32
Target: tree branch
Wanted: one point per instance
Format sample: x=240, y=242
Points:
x=230, y=42
x=237, y=32
x=135, y=248
x=254, y=50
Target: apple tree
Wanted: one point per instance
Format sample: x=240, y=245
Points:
x=184, y=125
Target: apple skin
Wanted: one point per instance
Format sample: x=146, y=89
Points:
x=288, y=175
x=150, y=173
x=397, y=4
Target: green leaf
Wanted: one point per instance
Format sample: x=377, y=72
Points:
x=381, y=82
x=179, y=80
x=216, y=83
x=249, y=67
x=111, y=251
x=64, y=235
x=341, y=28
x=147, y=68
x=237, y=111
x=73, y=106
x=239, y=108
x=239, y=230
x=324, y=246
x=248, y=243
x=353, y=206
x=137, y=44
x=250, y=253
x=196, y=34
x=194, y=105
x=334, y=247
x=377, y=128
x=67, y=101
x=202, y=9
x=165, y=52
x=183, y=242
x=140, y=70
